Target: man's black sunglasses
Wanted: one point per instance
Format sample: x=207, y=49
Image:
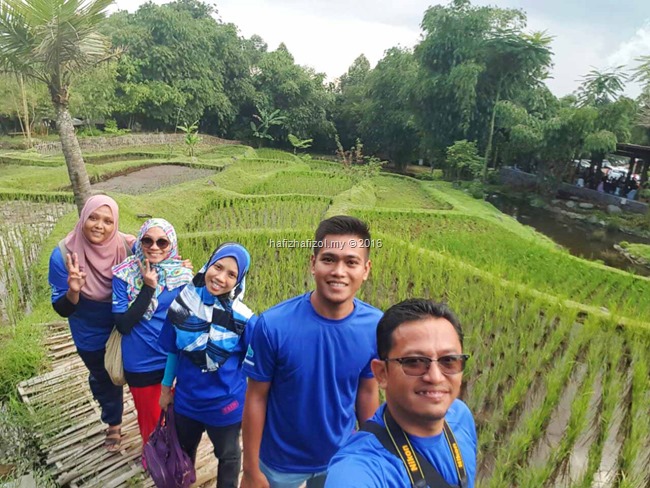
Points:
x=419, y=365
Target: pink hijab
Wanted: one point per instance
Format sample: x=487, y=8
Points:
x=96, y=260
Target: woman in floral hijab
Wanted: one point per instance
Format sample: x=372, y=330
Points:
x=144, y=286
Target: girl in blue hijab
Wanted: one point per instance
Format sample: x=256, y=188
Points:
x=206, y=335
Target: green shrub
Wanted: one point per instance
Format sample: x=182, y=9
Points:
x=463, y=160
x=89, y=132
x=434, y=175
x=476, y=190
x=110, y=127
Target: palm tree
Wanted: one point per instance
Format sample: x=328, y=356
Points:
x=642, y=74
x=52, y=41
x=601, y=87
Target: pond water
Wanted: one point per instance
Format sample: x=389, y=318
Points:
x=579, y=238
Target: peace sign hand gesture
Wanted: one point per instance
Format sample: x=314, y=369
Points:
x=76, y=277
x=149, y=274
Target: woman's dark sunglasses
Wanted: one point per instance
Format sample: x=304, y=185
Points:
x=419, y=365
x=147, y=242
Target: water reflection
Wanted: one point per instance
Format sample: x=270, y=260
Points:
x=581, y=239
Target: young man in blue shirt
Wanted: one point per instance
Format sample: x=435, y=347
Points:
x=309, y=366
x=420, y=365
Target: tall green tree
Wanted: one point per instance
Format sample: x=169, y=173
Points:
x=470, y=58
x=94, y=97
x=513, y=60
x=565, y=137
x=24, y=106
x=518, y=134
x=601, y=87
x=602, y=90
x=388, y=126
x=298, y=92
x=52, y=41
x=350, y=102
x=518, y=126
x=181, y=63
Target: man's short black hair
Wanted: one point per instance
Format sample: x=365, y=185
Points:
x=411, y=310
x=341, y=225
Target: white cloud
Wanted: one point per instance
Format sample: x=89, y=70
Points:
x=627, y=53
x=327, y=44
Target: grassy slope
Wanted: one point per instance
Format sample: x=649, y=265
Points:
x=639, y=250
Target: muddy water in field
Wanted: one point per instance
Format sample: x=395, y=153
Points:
x=556, y=428
x=151, y=179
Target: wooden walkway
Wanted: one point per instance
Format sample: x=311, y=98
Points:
x=70, y=430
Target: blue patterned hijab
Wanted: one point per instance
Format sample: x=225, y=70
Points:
x=207, y=327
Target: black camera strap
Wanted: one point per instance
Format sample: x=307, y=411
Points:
x=459, y=464
x=420, y=471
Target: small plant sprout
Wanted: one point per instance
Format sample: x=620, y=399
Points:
x=191, y=137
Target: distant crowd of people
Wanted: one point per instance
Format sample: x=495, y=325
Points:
x=300, y=380
x=614, y=183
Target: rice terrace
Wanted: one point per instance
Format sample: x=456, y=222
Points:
x=559, y=384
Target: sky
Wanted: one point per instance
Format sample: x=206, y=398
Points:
x=329, y=35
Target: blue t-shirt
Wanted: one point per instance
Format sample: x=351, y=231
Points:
x=314, y=365
x=141, y=352
x=364, y=463
x=213, y=398
x=92, y=322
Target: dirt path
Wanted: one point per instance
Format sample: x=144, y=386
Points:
x=151, y=179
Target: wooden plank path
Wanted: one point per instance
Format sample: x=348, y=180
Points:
x=70, y=430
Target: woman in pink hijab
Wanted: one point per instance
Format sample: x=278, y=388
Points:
x=80, y=277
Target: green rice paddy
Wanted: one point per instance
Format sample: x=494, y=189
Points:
x=559, y=380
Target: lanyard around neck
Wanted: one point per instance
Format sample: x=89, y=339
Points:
x=408, y=455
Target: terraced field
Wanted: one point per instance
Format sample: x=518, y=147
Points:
x=559, y=379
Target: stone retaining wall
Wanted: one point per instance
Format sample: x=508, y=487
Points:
x=520, y=179
x=99, y=144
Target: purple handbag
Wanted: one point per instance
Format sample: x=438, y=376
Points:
x=167, y=464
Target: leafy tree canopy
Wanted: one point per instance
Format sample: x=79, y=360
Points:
x=351, y=100
x=297, y=91
x=601, y=87
x=181, y=64
x=470, y=58
x=388, y=126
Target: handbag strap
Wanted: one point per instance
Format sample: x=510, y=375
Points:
x=162, y=420
x=171, y=426
x=420, y=471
